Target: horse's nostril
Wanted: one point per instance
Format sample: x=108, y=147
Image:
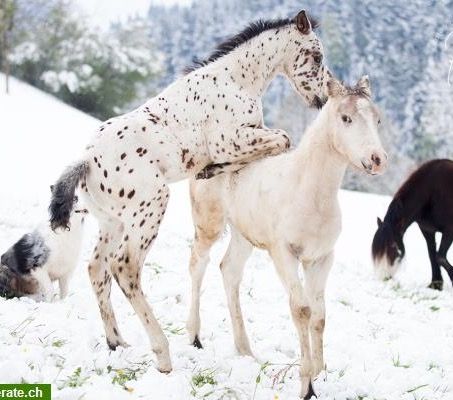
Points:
x=376, y=159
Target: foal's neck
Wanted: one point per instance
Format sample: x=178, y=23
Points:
x=255, y=63
x=319, y=166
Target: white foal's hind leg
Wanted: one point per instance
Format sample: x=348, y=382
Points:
x=315, y=274
x=205, y=237
x=209, y=221
x=140, y=230
x=230, y=154
x=287, y=268
x=232, y=268
x=110, y=234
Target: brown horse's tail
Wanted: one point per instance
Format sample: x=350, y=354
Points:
x=63, y=191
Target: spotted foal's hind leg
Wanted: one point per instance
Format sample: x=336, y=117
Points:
x=230, y=154
x=140, y=230
x=110, y=234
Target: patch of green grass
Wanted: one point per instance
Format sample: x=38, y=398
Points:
x=155, y=267
x=434, y=308
x=74, y=380
x=345, y=303
x=121, y=376
x=397, y=363
x=202, y=378
x=432, y=366
x=59, y=343
x=416, y=388
x=175, y=330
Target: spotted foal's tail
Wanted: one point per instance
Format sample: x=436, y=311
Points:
x=62, y=201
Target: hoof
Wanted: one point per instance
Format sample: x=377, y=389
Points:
x=196, y=342
x=310, y=392
x=436, y=285
x=114, y=345
x=165, y=371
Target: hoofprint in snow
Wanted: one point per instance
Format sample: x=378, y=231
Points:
x=383, y=340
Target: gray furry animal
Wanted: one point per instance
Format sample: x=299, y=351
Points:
x=37, y=259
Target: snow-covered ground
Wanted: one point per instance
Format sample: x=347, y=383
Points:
x=383, y=340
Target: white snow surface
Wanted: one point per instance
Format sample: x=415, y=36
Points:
x=383, y=340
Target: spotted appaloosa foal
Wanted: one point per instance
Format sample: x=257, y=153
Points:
x=288, y=205
x=212, y=115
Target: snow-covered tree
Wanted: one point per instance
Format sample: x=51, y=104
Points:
x=98, y=72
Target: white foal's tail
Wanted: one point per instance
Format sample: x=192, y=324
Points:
x=62, y=201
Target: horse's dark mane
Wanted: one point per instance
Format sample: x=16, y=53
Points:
x=357, y=91
x=251, y=31
x=394, y=211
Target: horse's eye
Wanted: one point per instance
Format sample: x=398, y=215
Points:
x=317, y=58
x=346, y=119
x=379, y=122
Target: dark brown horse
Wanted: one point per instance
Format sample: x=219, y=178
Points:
x=427, y=199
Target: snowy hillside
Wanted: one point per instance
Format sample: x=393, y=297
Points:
x=384, y=340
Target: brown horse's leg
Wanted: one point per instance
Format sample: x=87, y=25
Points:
x=447, y=239
x=436, y=280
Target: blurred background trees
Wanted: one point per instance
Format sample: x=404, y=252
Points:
x=99, y=72
x=399, y=44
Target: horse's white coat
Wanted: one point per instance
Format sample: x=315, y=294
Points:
x=288, y=205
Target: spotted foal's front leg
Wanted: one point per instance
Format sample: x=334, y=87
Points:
x=230, y=154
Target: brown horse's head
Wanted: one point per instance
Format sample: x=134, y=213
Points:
x=387, y=249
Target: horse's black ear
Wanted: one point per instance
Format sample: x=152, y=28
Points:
x=303, y=23
x=379, y=222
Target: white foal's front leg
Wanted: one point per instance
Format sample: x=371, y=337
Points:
x=316, y=274
x=287, y=268
x=232, y=268
x=230, y=154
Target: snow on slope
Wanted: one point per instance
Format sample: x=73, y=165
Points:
x=383, y=340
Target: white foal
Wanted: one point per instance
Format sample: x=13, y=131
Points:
x=212, y=115
x=288, y=205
